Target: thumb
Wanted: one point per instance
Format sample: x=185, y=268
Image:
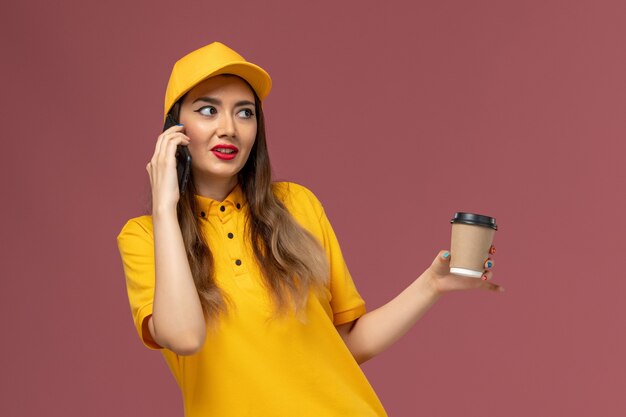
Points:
x=441, y=264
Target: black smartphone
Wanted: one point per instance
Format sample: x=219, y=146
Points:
x=183, y=157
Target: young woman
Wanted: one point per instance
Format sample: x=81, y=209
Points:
x=239, y=281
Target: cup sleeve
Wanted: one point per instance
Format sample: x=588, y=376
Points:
x=136, y=245
x=346, y=302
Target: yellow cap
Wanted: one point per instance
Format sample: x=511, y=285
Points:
x=213, y=59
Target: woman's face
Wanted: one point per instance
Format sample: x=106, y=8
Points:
x=220, y=119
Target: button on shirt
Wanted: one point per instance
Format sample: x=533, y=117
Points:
x=223, y=221
x=253, y=365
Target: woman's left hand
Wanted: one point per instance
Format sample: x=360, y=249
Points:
x=443, y=281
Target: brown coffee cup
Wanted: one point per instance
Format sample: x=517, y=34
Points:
x=472, y=236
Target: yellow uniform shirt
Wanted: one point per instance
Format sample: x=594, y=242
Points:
x=253, y=366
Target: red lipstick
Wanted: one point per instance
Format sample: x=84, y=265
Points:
x=225, y=151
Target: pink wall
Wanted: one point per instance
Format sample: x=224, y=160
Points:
x=396, y=116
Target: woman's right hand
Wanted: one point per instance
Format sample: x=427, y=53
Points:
x=162, y=168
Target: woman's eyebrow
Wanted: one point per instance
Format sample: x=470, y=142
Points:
x=218, y=102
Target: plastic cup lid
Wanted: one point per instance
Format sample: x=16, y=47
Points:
x=475, y=219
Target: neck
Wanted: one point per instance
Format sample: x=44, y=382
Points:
x=215, y=188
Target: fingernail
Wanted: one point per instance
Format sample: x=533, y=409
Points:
x=484, y=277
x=180, y=124
x=445, y=255
x=489, y=264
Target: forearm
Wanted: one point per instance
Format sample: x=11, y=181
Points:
x=177, y=312
x=378, y=329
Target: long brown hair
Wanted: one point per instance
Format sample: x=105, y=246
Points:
x=291, y=259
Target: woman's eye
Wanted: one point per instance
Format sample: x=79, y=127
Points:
x=246, y=113
x=207, y=110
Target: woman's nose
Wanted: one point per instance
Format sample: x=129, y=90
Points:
x=226, y=126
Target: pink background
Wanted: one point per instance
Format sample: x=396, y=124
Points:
x=396, y=114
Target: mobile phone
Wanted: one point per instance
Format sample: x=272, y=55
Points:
x=183, y=157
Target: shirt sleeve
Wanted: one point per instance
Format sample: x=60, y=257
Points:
x=136, y=245
x=346, y=303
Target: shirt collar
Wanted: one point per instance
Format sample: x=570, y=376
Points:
x=234, y=202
